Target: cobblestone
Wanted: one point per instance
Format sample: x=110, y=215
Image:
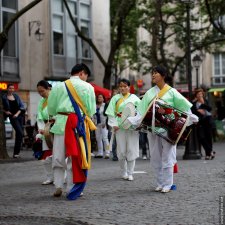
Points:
x=110, y=200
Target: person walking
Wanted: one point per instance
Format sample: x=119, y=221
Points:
x=102, y=132
x=127, y=140
x=14, y=108
x=202, y=109
x=44, y=88
x=163, y=153
x=72, y=103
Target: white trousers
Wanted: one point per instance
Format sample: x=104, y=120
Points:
x=127, y=167
x=47, y=163
x=127, y=144
x=60, y=164
x=101, y=135
x=163, y=158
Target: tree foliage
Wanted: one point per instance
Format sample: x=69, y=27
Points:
x=166, y=22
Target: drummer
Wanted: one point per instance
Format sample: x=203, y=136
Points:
x=127, y=140
x=43, y=88
x=163, y=153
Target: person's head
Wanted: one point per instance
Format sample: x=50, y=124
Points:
x=199, y=93
x=10, y=88
x=124, y=86
x=81, y=70
x=114, y=92
x=159, y=75
x=100, y=98
x=43, y=88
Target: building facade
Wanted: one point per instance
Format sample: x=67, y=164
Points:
x=43, y=43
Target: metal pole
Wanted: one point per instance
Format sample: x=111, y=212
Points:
x=196, y=77
x=189, y=75
x=192, y=150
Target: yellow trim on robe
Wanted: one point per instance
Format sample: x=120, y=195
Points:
x=45, y=103
x=88, y=124
x=163, y=91
x=121, y=100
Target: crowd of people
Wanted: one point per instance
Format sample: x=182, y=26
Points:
x=70, y=111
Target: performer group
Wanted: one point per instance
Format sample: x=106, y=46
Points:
x=70, y=107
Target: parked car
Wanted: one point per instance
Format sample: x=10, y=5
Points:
x=8, y=129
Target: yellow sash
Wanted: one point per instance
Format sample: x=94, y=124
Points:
x=45, y=103
x=120, y=101
x=163, y=91
x=89, y=125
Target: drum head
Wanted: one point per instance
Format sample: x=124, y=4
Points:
x=128, y=111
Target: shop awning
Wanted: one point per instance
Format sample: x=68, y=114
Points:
x=216, y=89
x=101, y=90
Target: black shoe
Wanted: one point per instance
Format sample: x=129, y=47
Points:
x=114, y=159
x=98, y=156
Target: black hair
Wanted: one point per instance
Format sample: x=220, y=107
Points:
x=79, y=67
x=101, y=95
x=44, y=84
x=161, y=70
x=10, y=84
x=124, y=81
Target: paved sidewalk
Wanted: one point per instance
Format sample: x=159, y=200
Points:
x=110, y=200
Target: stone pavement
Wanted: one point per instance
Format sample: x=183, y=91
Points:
x=110, y=200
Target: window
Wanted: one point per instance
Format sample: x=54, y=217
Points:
x=219, y=69
x=68, y=48
x=58, y=43
x=12, y=4
x=86, y=51
x=10, y=45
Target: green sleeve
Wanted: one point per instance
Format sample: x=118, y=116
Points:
x=146, y=100
x=180, y=102
x=110, y=111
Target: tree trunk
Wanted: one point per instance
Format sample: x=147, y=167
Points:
x=3, y=151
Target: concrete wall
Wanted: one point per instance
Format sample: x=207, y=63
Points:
x=101, y=35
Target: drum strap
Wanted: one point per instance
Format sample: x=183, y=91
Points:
x=159, y=95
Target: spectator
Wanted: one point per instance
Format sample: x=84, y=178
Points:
x=202, y=109
x=14, y=109
x=114, y=152
x=102, y=132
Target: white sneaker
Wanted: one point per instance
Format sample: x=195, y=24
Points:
x=125, y=177
x=47, y=182
x=130, y=178
x=164, y=190
x=158, y=189
x=144, y=157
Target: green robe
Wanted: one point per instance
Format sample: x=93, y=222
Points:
x=59, y=101
x=42, y=114
x=172, y=97
x=111, y=109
